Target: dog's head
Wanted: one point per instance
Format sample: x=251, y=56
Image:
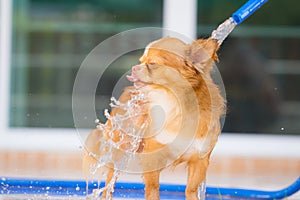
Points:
x=166, y=59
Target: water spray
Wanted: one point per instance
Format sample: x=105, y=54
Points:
x=236, y=18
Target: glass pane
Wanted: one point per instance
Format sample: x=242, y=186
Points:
x=50, y=40
x=260, y=65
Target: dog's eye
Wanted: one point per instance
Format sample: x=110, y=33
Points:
x=151, y=65
x=148, y=67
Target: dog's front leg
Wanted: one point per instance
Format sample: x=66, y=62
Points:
x=196, y=175
x=107, y=193
x=151, y=180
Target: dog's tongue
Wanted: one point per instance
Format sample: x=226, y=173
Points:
x=135, y=80
x=131, y=78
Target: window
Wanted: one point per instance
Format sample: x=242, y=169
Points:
x=50, y=39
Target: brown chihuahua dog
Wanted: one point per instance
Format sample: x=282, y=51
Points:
x=183, y=112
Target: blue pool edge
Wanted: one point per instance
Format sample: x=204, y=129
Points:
x=9, y=185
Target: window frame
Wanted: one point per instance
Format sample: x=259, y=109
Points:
x=66, y=140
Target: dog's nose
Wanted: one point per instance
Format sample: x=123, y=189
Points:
x=136, y=68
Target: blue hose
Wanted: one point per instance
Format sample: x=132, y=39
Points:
x=133, y=190
x=246, y=10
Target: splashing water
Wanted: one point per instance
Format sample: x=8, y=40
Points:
x=202, y=190
x=124, y=131
x=223, y=30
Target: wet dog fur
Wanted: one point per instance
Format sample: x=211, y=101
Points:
x=177, y=77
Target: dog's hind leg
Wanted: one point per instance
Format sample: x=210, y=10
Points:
x=197, y=168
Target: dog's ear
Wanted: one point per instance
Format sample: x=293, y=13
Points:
x=202, y=53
